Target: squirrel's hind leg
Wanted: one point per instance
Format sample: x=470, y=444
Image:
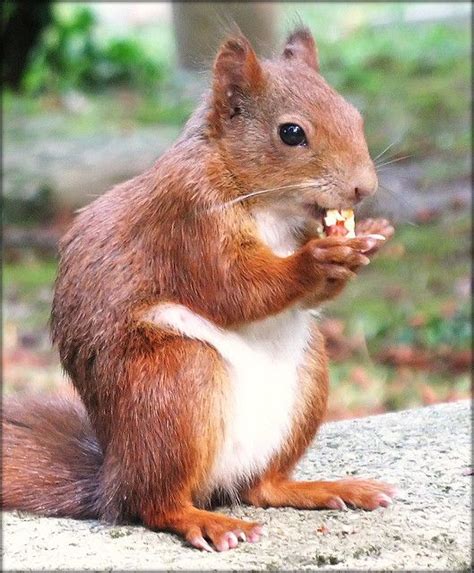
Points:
x=276, y=488
x=169, y=406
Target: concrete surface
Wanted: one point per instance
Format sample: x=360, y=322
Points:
x=425, y=452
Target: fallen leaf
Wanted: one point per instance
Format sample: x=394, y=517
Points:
x=323, y=529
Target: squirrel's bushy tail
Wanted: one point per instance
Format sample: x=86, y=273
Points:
x=50, y=458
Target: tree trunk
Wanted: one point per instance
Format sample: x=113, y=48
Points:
x=201, y=26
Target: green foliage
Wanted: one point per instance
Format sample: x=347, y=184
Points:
x=71, y=55
x=124, y=62
x=8, y=7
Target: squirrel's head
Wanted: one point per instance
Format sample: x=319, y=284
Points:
x=280, y=126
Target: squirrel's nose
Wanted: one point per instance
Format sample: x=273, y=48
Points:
x=366, y=184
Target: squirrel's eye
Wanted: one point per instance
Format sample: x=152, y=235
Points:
x=292, y=134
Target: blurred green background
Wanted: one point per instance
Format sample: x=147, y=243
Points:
x=94, y=92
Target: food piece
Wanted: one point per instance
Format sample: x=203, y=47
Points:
x=339, y=223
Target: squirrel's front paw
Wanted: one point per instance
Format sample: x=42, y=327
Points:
x=375, y=228
x=338, y=258
x=335, y=261
x=342, y=252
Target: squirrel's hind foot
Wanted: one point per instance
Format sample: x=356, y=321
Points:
x=211, y=531
x=359, y=493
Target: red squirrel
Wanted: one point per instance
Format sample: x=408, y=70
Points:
x=182, y=314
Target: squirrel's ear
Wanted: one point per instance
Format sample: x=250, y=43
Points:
x=237, y=75
x=301, y=45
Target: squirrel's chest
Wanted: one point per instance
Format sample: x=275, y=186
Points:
x=264, y=389
x=262, y=361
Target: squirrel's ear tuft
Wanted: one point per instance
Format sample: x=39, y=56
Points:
x=237, y=75
x=301, y=45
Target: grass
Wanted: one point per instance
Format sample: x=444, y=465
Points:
x=27, y=294
x=413, y=294
x=416, y=274
x=130, y=110
x=26, y=279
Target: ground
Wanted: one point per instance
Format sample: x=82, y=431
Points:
x=424, y=452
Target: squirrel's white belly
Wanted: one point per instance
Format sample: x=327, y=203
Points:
x=262, y=359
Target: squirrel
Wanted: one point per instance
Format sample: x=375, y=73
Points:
x=183, y=314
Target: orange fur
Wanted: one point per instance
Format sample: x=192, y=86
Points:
x=279, y=492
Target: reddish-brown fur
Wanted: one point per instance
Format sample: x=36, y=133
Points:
x=51, y=459
x=155, y=401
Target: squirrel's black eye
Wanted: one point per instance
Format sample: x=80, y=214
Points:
x=292, y=134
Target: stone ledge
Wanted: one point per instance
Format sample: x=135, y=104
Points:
x=425, y=452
